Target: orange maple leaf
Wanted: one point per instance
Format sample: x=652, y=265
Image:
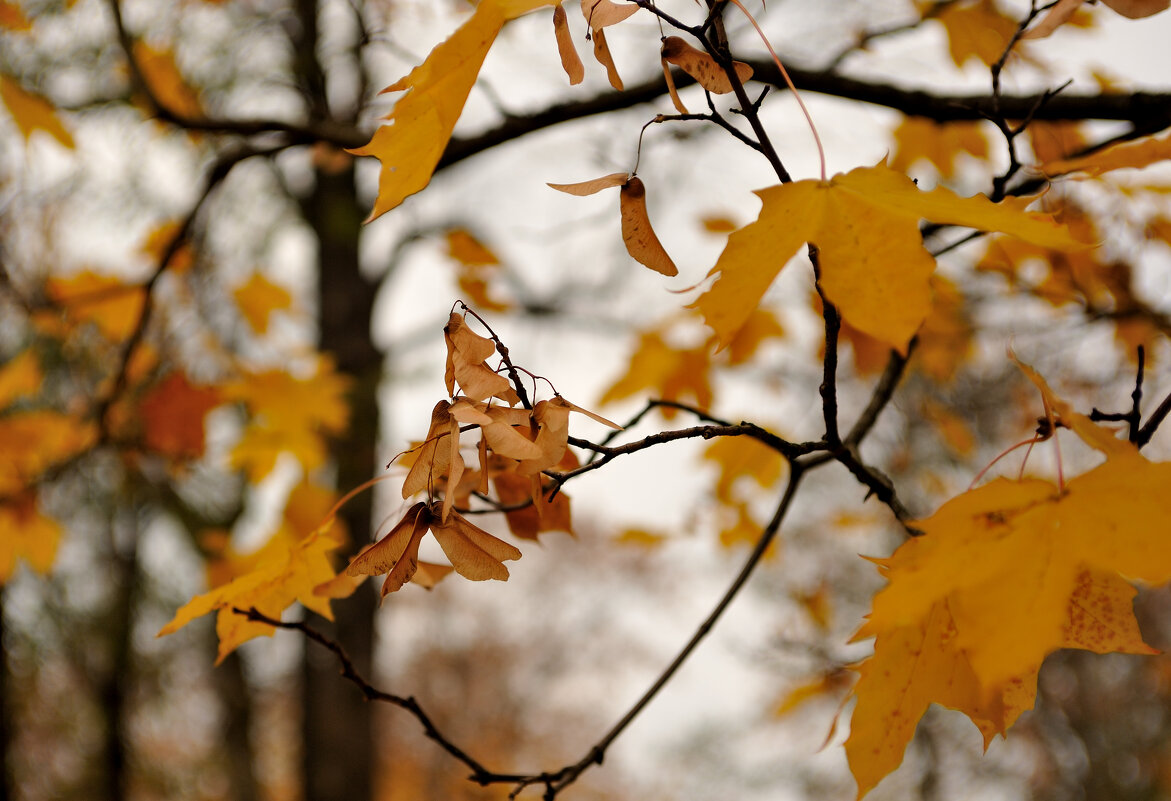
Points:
x=173, y=415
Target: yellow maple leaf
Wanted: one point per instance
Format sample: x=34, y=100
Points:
x=289, y=414
x=286, y=576
x=166, y=83
x=410, y=147
x=113, y=306
x=33, y=441
x=976, y=30
x=32, y=112
x=1002, y=576
x=258, y=299
x=919, y=138
x=743, y=457
x=926, y=662
x=865, y=224
x=26, y=534
x=1134, y=155
x=676, y=374
x=20, y=377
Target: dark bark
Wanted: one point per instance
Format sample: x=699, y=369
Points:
x=236, y=697
x=116, y=682
x=338, y=722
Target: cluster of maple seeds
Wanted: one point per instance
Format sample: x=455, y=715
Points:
x=517, y=444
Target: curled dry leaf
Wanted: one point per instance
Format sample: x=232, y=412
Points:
x=602, y=54
x=552, y=417
x=438, y=456
x=593, y=186
x=467, y=352
x=640, y=239
x=602, y=13
x=671, y=90
x=702, y=67
x=1064, y=10
x=570, y=61
x=474, y=553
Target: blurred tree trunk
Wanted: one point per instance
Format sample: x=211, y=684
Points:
x=117, y=680
x=236, y=696
x=338, y=724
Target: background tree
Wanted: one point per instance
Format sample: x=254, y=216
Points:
x=199, y=336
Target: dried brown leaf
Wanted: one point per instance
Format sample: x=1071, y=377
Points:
x=570, y=60
x=671, y=90
x=602, y=13
x=602, y=54
x=474, y=553
x=640, y=239
x=592, y=186
x=702, y=67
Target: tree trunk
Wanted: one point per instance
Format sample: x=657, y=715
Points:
x=338, y=722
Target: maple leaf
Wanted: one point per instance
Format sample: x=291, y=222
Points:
x=167, y=84
x=32, y=113
x=477, y=266
x=27, y=534
x=474, y=553
x=160, y=239
x=258, y=299
x=1003, y=575
x=173, y=415
x=673, y=373
x=424, y=118
x=976, y=30
x=287, y=570
x=32, y=441
x=12, y=18
x=1134, y=155
x=275, y=585
x=88, y=297
x=289, y=414
x=940, y=144
x=865, y=225
x=743, y=457
x=20, y=377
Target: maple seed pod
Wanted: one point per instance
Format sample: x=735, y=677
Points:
x=701, y=66
x=640, y=239
x=570, y=61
